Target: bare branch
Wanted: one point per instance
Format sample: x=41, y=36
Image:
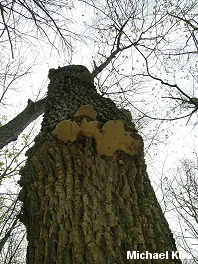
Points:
x=166, y=83
x=7, y=235
x=6, y=27
x=98, y=69
x=41, y=16
x=12, y=129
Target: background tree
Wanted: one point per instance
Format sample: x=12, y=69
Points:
x=180, y=197
x=12, y=247
x=12, y=234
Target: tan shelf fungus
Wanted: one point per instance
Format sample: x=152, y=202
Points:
x=110, y=138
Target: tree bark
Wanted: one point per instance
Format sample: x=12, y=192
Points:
x=86, y=200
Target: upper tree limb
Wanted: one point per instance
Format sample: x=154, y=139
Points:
x=12, y=129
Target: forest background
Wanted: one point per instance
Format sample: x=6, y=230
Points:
x=144, y=54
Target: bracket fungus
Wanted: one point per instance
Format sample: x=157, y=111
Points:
x=66, y=130
x=113, y=137
x=110, y=138
x=86, y=110
x=85, y=76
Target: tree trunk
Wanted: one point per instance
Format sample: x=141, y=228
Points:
x=86, y=195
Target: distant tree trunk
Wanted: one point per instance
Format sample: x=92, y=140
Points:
x=86, y=194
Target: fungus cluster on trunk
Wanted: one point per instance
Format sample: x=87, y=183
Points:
x=110, y=138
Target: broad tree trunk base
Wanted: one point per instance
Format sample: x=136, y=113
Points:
x=80, y=207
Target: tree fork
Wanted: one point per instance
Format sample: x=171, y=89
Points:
x=86, y=194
